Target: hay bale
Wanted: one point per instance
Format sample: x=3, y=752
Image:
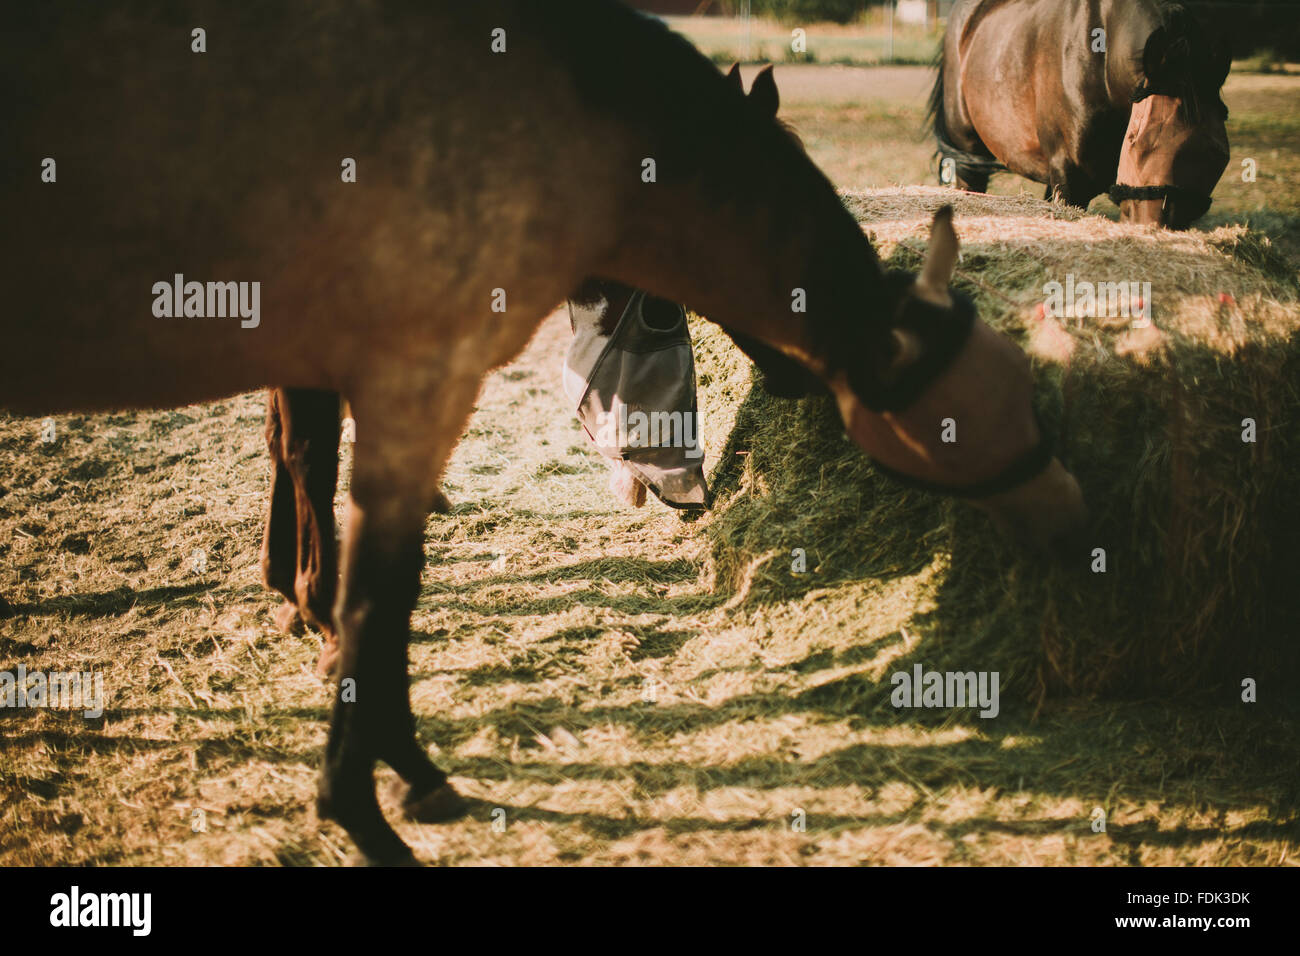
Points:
x=1197, y=525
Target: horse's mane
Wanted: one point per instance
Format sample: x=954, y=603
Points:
x=1194, y=50
x=593, y=289
x=635, y=70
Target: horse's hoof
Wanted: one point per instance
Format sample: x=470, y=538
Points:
x=328, y=664
x=288, y=620
x=440, y=805
x=440, y=503
x=375, y=843
x=395, y=860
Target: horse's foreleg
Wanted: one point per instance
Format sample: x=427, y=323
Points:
x=1069, y=185
x=972, y=180
x=1058, y=183
x=299, y=553
x=399, y=456
x=280, y=538
x=312, y=460
x=382, y=562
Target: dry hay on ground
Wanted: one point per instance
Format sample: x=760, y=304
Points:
x=545, y=615
x=1196, y=524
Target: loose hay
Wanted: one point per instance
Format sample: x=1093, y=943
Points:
x=1197, y=594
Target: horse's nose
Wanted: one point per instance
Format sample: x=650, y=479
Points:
x=1142, y=212
x=1046, y=514
x=1072, y=547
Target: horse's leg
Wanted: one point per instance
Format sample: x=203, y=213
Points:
x=280, y=538
x=972, y=180
x=1058, y=189
x=299, y=553
x=312, y=459
x=1068, y=184
x=398, y=459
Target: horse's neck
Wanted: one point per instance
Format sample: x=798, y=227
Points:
x=791, y=268
x=1128, y=25
x=740, y=225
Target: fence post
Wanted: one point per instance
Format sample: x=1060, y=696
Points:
x=744, y=12
x=891, y=31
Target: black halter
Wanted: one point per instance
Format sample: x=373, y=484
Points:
x=1119, y=192
x=944, y=333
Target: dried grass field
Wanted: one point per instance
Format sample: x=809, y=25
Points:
x=620, y=686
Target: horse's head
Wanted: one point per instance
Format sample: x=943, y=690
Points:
x=953, y=411
x=1176, y=147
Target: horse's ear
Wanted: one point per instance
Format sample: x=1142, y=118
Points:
x=940, y=260
x=763, y=92
x=733, y=75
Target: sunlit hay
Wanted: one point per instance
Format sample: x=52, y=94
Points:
x=1196, y=524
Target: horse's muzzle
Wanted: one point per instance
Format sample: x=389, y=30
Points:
x=1046, y=513
x=1167, y=206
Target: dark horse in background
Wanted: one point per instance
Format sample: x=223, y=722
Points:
x=478, y=171
x=1021, y=89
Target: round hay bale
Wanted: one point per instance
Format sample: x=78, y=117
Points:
x=1195, y=522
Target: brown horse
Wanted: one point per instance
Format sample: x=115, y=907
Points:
x=299, y=552
x=1087, y=96
x=503, y=151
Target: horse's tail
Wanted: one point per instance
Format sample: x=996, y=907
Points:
x=936, y=116
x=934, y=112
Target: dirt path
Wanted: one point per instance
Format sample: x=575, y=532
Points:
x=802, y=83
